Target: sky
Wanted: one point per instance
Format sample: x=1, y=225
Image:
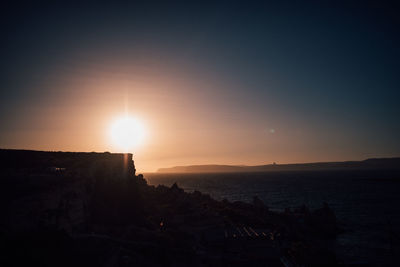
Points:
x=233, y=82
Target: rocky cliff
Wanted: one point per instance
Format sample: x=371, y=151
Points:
x=41, y=188
x=90, y=209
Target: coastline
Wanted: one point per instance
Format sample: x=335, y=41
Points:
x=103, y=217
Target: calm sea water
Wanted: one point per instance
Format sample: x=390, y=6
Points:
x=366, y=203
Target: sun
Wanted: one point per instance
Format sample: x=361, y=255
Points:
x=127, y=133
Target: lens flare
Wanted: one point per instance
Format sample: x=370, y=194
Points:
x=127, y=133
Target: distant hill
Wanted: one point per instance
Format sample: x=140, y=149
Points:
x=369, y=164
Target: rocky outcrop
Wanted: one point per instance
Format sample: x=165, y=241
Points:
x=73, y=163
x=40, y=188
x=92, y=210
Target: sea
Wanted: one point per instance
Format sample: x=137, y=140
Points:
x=366, y=203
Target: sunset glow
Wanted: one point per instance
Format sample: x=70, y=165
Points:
x=202, y=85
x=188, y=133
x=127, y=133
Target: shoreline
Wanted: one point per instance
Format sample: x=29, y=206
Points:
x=72, y=216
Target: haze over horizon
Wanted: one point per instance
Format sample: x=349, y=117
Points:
x=212, y=83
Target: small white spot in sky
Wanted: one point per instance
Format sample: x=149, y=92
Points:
x=271, y=131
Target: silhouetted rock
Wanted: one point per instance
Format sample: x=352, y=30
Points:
x=257, y=202
x=175, y=189
x=323, y=221
x=90, y=209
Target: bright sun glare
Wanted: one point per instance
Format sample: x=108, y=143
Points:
x=127, y=133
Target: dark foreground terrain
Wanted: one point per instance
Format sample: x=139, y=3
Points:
x=91, y=209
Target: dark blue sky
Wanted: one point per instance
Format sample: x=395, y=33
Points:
x=327, y=70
